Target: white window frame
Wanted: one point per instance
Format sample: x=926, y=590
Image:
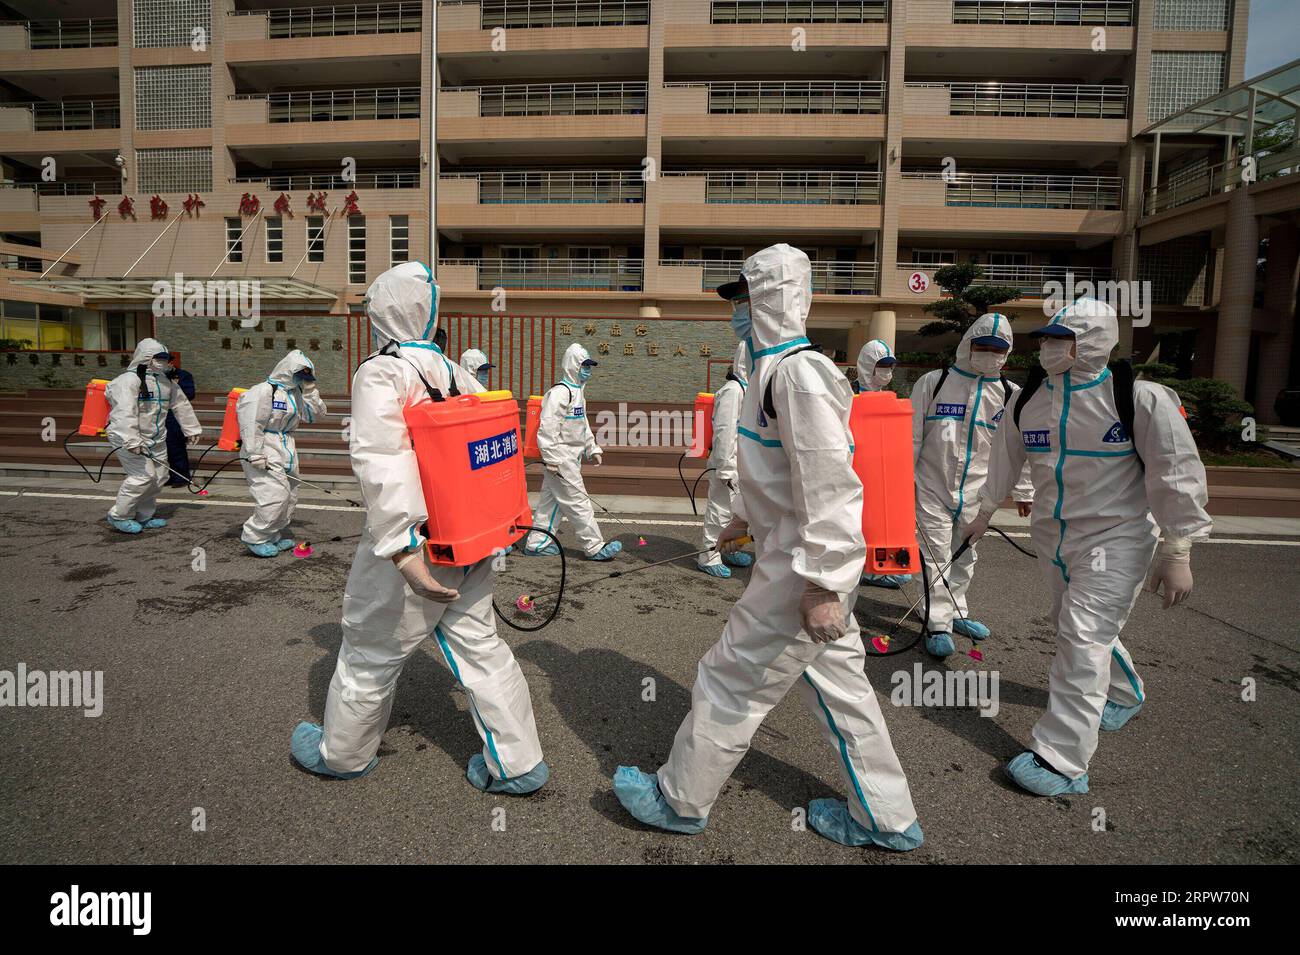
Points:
x=399, y=238
x=274, y=239
x=234, y=240
x=316, y=246
x=356, y=250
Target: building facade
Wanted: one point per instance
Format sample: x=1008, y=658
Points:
x=594, y=169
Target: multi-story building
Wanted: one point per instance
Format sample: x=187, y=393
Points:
x=588, y=170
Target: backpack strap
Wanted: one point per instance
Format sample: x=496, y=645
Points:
x=391, y=350
x=1006, y=391
x=768, y=408
x=1121, y=376
x=943, y=376
x=1037, y=375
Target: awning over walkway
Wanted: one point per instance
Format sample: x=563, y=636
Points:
x=92, y=290
x=1275, y=96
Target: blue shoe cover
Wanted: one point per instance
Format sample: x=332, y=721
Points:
x=970, y=628
x=264, y=550
x=1114, y=716
x=739, y=559
x=888, y=581
x=285, y=543
x=831, y=818
x=531, y=781
x=154, y=523
x=639, y=793
x=305, y=747
x=607, y=552
x=549, y=549
x=940, y=645
x=1030, y=773
x=716, y=570
x=126, y=527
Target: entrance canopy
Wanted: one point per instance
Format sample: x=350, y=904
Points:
x=1269, y=99
x=94, y=290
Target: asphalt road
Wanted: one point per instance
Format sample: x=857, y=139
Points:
x=207, y=671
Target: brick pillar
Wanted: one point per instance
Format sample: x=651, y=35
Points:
x=1279, y=300
x=1236, y=307
x=654, y=125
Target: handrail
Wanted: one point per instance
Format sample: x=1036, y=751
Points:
x=608, y=274
x=403, y=16
x=66, y=187
x=68, y=34
x=792, y=96
x=829, y=278
x=798, y=11
x=1115, y=13
x=528, y=186
x=787, y=187
x=1104, y=101
x=377, y=179
x=316, y=106
x=1201, y=182
x=1027, y=278
x=558, y=99
x=71, y=114
x=1027, y=190
x=528, y=14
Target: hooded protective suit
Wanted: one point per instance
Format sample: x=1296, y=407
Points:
x=139, y=400
x=269, y=413
x=952, y=434
x=803, y=504
x=383, y=619
x=472, y=360
x=723, y=482
x=1092, y=522
x=564, y=438
x=868, y=357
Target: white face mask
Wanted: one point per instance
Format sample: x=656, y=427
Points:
x=1054, y=355
x=987, y=362
x=882, y=376
x=161, y=367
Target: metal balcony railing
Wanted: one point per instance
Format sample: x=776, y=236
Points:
x=1086, y=101
x=558, y=99
x=525, y=14
x=67, y=34
x=544, y=187
x=828, y=278
x=1028, y=191
x=1111, y=13
x=798, y=11
x=1205, y=181
x=312, y=181
x=65, y=187
x=1029, y=279
x=71, y=114
x=342, y=20
x=609, y=274
x=795, y=96
x=788, y=187
x=332, y=106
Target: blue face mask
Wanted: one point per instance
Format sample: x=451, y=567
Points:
x=584, y=374
x=741, y=323
x=301, y=378
x=482, y=376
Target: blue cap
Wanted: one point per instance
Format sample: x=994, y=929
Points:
x=1052, y=331
x=993, y=340
x=886, y=360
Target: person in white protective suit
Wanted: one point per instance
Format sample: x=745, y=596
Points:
x=953, y=430
x=793, y=626
x=395, y=597
x=876, y=361
x=1096, y=489
x=564, y=439
x=476, y=364
x=138, y=402
x=723, y=482
x=269, y=413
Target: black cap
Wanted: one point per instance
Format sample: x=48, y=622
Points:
x=590, y=362
x=1052, y=331
x=729, y=290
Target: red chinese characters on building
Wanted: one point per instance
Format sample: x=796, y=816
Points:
x=249, y=204
x=97, y=206
x=350, y=207
x=126, y=207
x=282, y=206
x=157, y=208
x=316, y=202
x=193, y=203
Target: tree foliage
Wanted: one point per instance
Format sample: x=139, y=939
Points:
x=964, y=301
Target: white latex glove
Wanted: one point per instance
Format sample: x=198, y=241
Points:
x=977, y=528
x=1024, y=508
x=194, y=439
x=419, y=577
x=258, y=461
x=597, y=458
x=1172, y=570
x=728, y=540
x=822, y=615
x=136, y=449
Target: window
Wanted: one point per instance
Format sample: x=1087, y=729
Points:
x=1191, y=15
x=174, y=170
x=234, y=240
x=1008, y=258
x=274, y=239
x=173, y=97
x=399, y=239
x=1180, y=79
x=357, y=250
x=315, y=238
x=725, y=253
x=933, y=258
x=169, y=22
x=56, y=328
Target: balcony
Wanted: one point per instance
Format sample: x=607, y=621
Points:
x=1046, y=204
x=1003, y=191
x=1050, y=100
x=57, y=34
x=769, y=200
x=533, y=187
x=821, y=110
x=1211, y=180
x=1030, y=280
x=313, y=182
x=828, y=278
x=559, y=99
x=788, y=187
x=49, y=127
x=586, y=275
x=528, y=200
x=532, y=14
x=1114, y=13
x=816, y=11
x=281, y=23
x=795, y=96
x=505, y=120
x=339, y=106
x=372, y=115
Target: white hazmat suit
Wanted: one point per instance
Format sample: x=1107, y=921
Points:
x=803, y=505
x=869, y=364
x=564, y=439
x=723, y=482
x=384, y=620
x=139, y=400
x=953, y=431
x=472, y=360
x=1092, y=523
x=269, y=413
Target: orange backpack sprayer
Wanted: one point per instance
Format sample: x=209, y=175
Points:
x=881, y=424
x=532, y=419
x=94, y=412
x=229, y=440
x=702, y=427
x=472, y=474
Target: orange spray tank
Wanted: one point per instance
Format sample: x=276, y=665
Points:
x=229, y=440
x=472, y=475
x=702, y=426
x=94, y=412
x=532, y=420
x=881, y=424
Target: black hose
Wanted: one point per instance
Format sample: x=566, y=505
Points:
x=689, y=493
x=695, y=487
x=95, y=478
x=559, y=594
x=904, y=647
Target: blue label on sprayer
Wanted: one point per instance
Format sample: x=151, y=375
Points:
x=494, y=450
